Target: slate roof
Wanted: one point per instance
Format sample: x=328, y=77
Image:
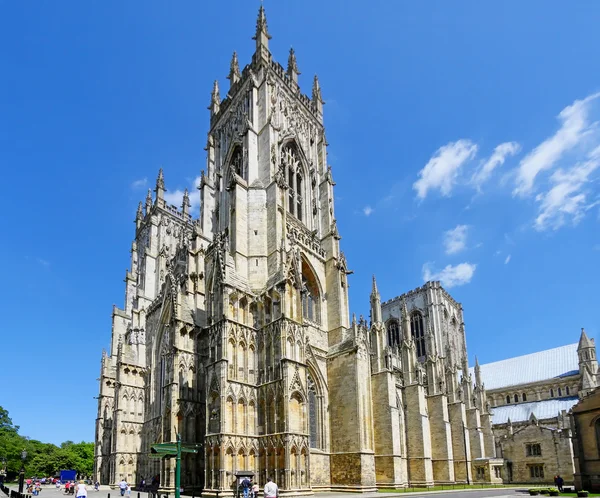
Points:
x=552, y=363
x=521, y=412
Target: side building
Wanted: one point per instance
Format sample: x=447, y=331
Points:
x=530, y=398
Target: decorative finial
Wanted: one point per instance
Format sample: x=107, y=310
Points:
x=185, y=204
x=374, y=289
x=215, y=99
x=140, y=212
x=292, y=69
x=316, y=91
x=234, y=70
x=261, y=24
x=160, y=181
x=148, y=201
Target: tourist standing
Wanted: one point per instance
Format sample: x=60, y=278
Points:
x=271, y=490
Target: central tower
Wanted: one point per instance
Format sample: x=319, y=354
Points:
x=275, y=282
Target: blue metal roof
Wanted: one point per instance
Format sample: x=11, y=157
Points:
x=521, y=412
x=534, y=367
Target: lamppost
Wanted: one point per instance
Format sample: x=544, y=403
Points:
x=22, y=471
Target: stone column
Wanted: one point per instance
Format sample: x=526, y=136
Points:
x=420, y=469
x=461, y=446
x=441, y=439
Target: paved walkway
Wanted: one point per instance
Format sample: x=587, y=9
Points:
x=516, y=492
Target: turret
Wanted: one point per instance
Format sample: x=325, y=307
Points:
x=588, y=363
x=375, y=303
x=186, y=205
x=262, y=37
x=292, y=68
x=160, y=188
x=215, y=100
x=234, y=70
x=317, y=99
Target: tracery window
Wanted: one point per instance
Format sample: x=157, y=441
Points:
x=393, y=333
x=292, y=169
x=418, y=332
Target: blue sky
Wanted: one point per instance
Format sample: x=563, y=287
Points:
x=463, y=141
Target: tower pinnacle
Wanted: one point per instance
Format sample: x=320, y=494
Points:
x=215, y=99
x=317, y=99
x=292, y=68
x=139, y=216
x=262, y=37
x=234, y=70
x=375, y=303
x=185, y=204
x=160, y=187
x=148, y=201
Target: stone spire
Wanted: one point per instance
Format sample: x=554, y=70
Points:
x=262, y=37
x=234, y=70
x=215, y=100
x=292, y=68
x=317, y=99
x=375, y=303
x=148, y=201
x=160, y=188
x=186, y=205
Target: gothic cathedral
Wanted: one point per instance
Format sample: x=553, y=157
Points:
x=236, y=333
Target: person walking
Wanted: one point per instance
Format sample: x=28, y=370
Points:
x=559, y=483
x=271, y=490
x=123, y=486
x=81, y=490
x=254, y=489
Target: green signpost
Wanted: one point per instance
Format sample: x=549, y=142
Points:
x=169, y=450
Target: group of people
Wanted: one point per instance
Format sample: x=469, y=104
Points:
x=250, y=489
x=124, y=488
x=77, y=489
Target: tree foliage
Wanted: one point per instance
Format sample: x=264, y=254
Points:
x=43, y=459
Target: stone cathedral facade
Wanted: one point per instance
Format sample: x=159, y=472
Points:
x=236, y=332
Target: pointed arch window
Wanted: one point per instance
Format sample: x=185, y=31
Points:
x=508, y=399
x=293, y=172
x=418, y=332
x=311, y=309
x=567, y=390
x=237, y=163
x=393, y=333
x=524, y=396
x=313, y=414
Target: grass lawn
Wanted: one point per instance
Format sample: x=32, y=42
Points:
x=447, y=487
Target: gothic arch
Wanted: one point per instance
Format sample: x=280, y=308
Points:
x=235, y=162
x=294, y=168
x=311, y=292
x=392, y=327
x=417, y=329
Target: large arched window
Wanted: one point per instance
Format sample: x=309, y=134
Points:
x=418, y=332
x=293, y=171
x=393, y=333
x=311, y=309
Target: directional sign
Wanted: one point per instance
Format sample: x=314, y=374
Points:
x=165, y=450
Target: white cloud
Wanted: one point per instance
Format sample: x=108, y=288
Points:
x=575, y=128
x=455, y=240
x=501, y=152
x=368, y=210
x=43, y=262
x=175, y=197
x=507, y=260
x=567, y=200
x=450, y=276
x=442, y=169
x=139, y=184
